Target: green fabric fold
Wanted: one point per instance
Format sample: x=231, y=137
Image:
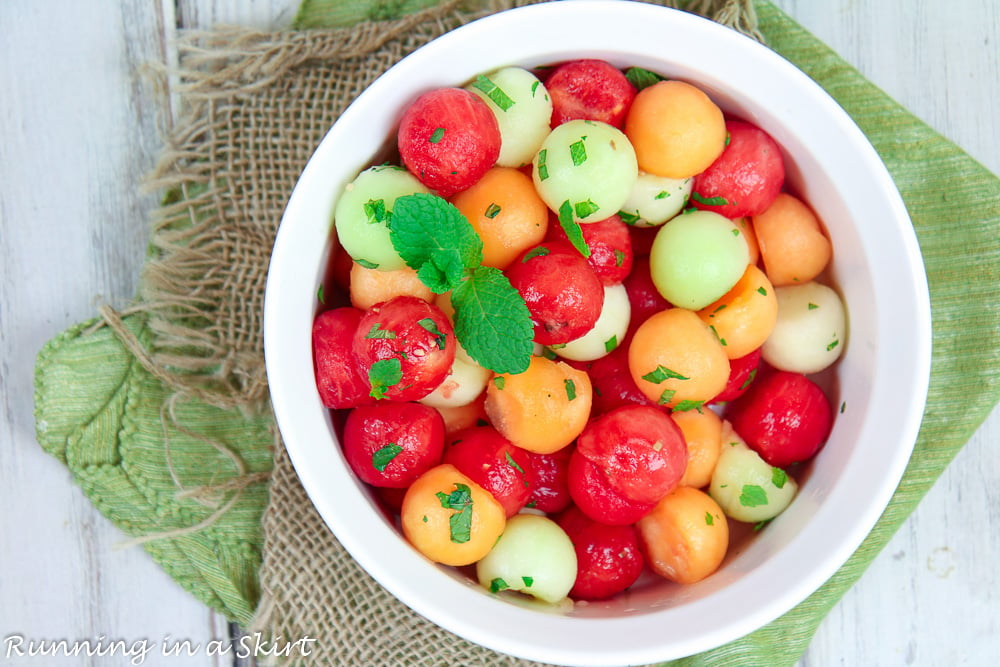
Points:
x=157, y=472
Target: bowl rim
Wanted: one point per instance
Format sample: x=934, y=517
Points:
x=378, y=548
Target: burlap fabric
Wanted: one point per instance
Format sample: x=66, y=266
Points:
x=252, y=107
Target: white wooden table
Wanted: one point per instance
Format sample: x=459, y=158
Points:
x=77, y=133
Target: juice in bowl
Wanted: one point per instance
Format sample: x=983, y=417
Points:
x=874, y=268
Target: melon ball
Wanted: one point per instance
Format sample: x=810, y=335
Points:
x=696, y=258
x=811, y=331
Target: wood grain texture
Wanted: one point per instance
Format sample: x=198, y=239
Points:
x=78, y=129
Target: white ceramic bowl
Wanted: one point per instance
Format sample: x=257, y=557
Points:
x=881, y=380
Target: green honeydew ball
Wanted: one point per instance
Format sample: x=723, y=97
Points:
x=363, y=211
x=696, y=258
x=533, y=556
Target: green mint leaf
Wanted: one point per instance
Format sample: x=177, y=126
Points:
x=619, y=257
x=439, y=337
x=494, y=92
x=426, y=228
x=585, y=208
x=832, y=345
x=437, y=136
x=459, y=523
x=512, y=463
x=610, y=344
x=378, y=332
x=528, y=581
x=492, y=211
x=538, y=251
x=778, y=477
x=365, y=263
x=684, y=406
x=709, y=201
x=762, y=291
x=383, y=374
x=746, y=383
x=442, y=271
x=492, y=321
x=578, y=152
x=709, y=520
x=760, y=524
x=376, y=211
x=661, y=373
x=572, y=228
x=319, y=295
x=630, y=219
x=722, y=341
x=499, y=381
x=812, y=306
x=642, y=78
x=570, y=389
x=382, y=457
x=753, y=496
x=497, y=585
x=666, y=396
x=662, y=194
x=543, y=169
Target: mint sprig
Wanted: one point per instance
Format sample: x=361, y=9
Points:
x=492, y=322
x=427, y=229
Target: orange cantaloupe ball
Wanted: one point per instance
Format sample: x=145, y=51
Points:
x=505, y=210
x=686, y=536
x=703, y=434
x=542, y=409
x=792, y=242
x=676, y=360
x=371, y=286
x=427, y=524
x=744, y=316
x=676, y=129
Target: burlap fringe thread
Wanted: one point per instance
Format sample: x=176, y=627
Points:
x=228, y=168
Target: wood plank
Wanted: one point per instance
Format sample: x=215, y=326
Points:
x=79, y=132
x=261, y=14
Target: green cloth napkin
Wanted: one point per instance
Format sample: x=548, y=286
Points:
x=134, y=449
x=190, y=474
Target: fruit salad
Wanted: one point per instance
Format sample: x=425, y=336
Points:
x=574, y=328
